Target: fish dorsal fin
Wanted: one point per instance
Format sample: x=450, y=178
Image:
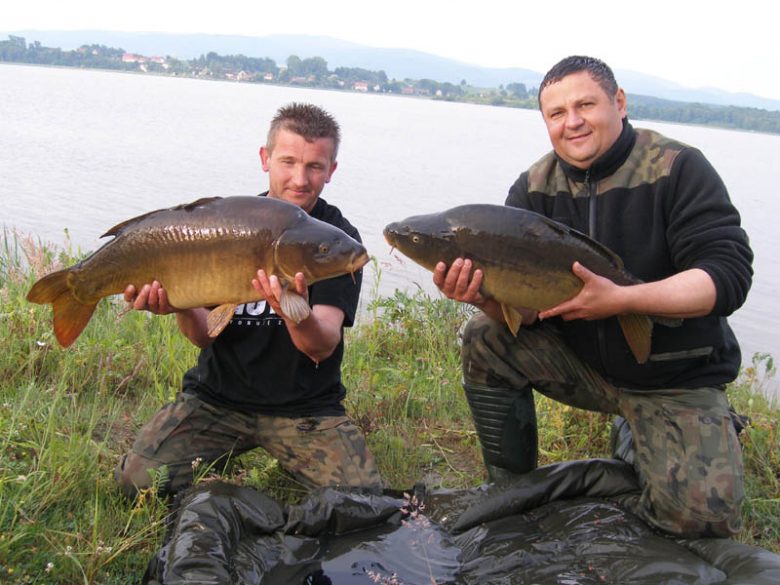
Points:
x=637, y=330
x=117, y=229
x=571, y=232
x=219, y=318
x=512, y=317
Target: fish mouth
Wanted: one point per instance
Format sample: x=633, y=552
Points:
x=358, y=263
x=389, y=236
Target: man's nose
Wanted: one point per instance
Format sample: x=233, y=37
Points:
x=573, y=118
x=299, y=176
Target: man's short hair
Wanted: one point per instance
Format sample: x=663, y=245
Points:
x=307, y=120
x=596, y=68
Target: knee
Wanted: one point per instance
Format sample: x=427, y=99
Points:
x=134, y=473
x=478, y=330
x=714, y=515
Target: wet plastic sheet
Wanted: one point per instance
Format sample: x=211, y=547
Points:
x=567, y=524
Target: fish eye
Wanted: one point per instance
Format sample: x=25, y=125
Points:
x=416, y=239
x=324, y=249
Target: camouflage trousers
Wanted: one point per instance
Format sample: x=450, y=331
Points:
x=318, y=451
x=687, y=451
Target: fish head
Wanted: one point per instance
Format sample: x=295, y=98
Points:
x=318, y=250
x=426, y=239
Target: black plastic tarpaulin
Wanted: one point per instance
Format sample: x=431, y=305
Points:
x=567, y=524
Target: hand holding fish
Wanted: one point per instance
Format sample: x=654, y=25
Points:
x=152, y=297
x=596, y=300
x=271, y=289
x=319, y=332
x=455, y=284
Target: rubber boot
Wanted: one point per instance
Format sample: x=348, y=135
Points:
x=505, y=420
x=621, y=441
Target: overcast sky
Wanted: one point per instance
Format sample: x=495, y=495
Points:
x=732, y=45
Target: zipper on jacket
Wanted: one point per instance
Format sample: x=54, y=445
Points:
x=592, y=210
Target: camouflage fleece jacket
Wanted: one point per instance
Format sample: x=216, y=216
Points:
x=661, y=206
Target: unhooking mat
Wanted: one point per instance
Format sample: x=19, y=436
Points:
x=567, y=524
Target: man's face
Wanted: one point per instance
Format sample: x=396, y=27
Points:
x=582, y=120
x=297, y=169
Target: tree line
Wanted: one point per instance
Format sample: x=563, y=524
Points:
x=314, y=72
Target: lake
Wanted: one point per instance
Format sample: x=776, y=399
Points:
x=85, y=150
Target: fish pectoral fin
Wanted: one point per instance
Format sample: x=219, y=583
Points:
x=219, y=318
x=512, y=317
x=638, y=330
x=294, y=306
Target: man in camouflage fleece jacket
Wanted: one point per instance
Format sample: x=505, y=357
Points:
x=663, y=209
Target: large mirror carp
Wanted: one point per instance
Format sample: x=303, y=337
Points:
x=526, y=260
x=204, y=254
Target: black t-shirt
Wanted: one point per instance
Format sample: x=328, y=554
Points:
x=253, y=365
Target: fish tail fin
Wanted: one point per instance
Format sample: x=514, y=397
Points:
x=70, y=314
x=49, y=287
x=637, y=330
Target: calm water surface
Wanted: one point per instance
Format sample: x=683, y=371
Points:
x=84, y=150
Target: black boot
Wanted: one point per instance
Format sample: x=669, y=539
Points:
x=505, y=420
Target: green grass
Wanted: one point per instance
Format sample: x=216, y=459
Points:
x=67, y=416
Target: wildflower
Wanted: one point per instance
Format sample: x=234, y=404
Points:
x=197, y=462
x=49, y=567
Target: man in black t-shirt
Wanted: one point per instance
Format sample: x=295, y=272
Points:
x=266, y=381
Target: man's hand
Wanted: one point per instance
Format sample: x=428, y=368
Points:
x=271, y=289
x=319, y=334
x=599, y=298
x=684, y=295
x=152, y=298
x=458, y=284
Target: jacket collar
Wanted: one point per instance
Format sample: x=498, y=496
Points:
x=607, y=163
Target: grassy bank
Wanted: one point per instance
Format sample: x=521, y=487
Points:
x=66, y=417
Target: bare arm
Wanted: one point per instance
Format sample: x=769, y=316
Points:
x=319, y=334
x=455, y=284
x=191, y=322
x=690, y=293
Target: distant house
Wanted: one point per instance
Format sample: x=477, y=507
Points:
x=298, y=80
x=268, y=77
x=131, y=58
x=360, y=86
x=407, y=90
x=159, y=60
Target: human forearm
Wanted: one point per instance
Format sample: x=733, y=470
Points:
x=319, y=334
x=688, y=294
x=193, y=325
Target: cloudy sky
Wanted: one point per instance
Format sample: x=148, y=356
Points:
x=720, y=43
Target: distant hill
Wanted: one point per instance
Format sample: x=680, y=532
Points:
x=396, y=63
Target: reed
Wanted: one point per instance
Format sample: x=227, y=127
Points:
x=67, y=416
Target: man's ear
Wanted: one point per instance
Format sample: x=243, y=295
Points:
x=331, y=171
x=620, y=99
x=265, y=157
